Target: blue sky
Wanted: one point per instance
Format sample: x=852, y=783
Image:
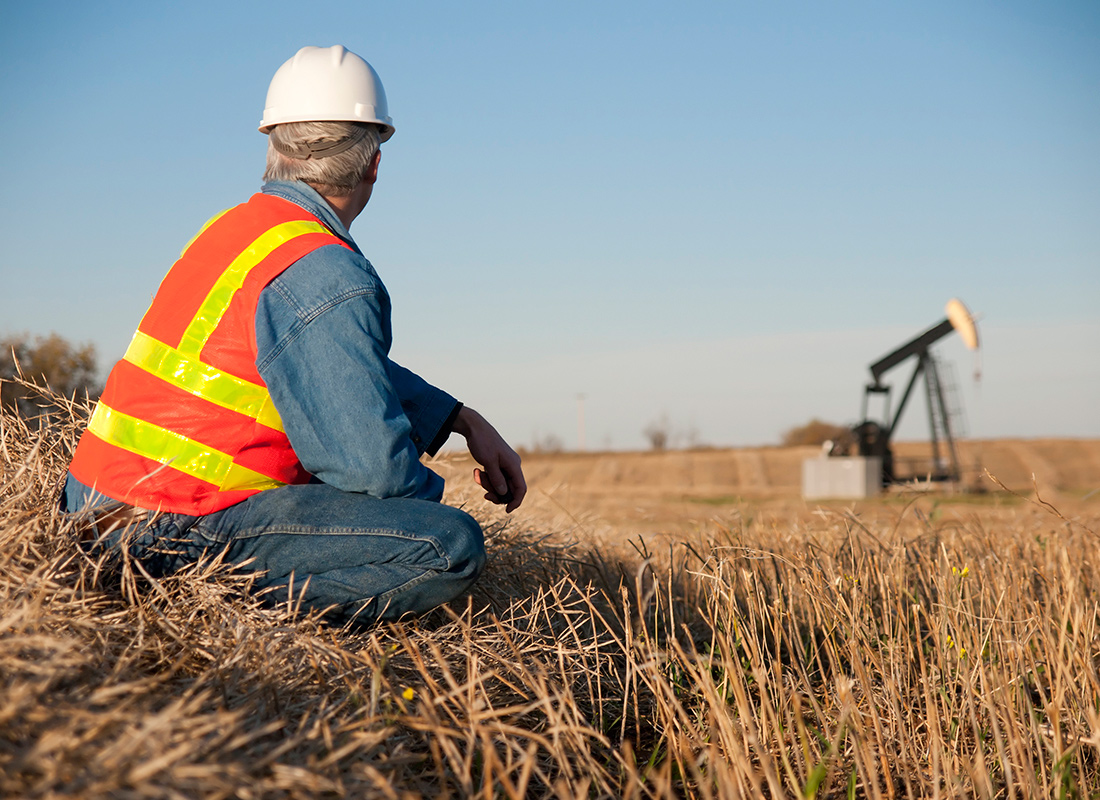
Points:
x=718, y=212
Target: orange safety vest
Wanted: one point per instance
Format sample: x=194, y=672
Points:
x=186, y=423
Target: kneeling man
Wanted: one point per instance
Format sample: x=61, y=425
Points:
x=257, y=413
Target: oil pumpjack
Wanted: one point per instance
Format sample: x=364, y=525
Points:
x=864, y=463
x=873, y=437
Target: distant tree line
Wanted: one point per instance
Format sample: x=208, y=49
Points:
x=52, y=361
x=815, y=432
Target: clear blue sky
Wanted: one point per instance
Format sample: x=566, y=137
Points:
x=722, y=212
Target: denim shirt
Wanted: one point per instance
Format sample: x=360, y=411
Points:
x=356, y=420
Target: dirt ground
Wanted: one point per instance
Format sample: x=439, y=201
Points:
x=675, y=492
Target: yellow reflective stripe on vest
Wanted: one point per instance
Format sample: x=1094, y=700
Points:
x=213, y=308
x=202, y=380
x=175, y=450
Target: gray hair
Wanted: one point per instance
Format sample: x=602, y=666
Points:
x=332, y=157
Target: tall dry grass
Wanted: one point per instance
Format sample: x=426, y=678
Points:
x=899, y=656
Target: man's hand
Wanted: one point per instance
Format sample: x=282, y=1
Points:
x=500, y=475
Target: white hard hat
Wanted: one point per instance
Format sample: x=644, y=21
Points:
x=326, y=84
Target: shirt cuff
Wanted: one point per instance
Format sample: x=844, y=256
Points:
x=444, y=432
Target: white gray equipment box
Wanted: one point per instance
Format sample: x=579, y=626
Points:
x=841, y=477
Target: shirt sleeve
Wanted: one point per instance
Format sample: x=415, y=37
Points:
x=431, y=411
x=324, y=357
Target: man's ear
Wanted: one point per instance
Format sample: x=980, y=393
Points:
x=372, y=170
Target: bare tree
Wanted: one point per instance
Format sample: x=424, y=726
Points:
x=659, y=432
x=548, y=443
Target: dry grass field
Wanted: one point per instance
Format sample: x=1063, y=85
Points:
x=662, y=491
x=653, y=625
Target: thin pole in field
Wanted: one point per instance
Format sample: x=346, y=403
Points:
x=580, y=422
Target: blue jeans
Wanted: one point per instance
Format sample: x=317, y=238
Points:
x=363, y=557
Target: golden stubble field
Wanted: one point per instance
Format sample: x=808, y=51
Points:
x=633, y=493
x=650, y=625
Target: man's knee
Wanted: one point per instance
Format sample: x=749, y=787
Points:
x=465, y=544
